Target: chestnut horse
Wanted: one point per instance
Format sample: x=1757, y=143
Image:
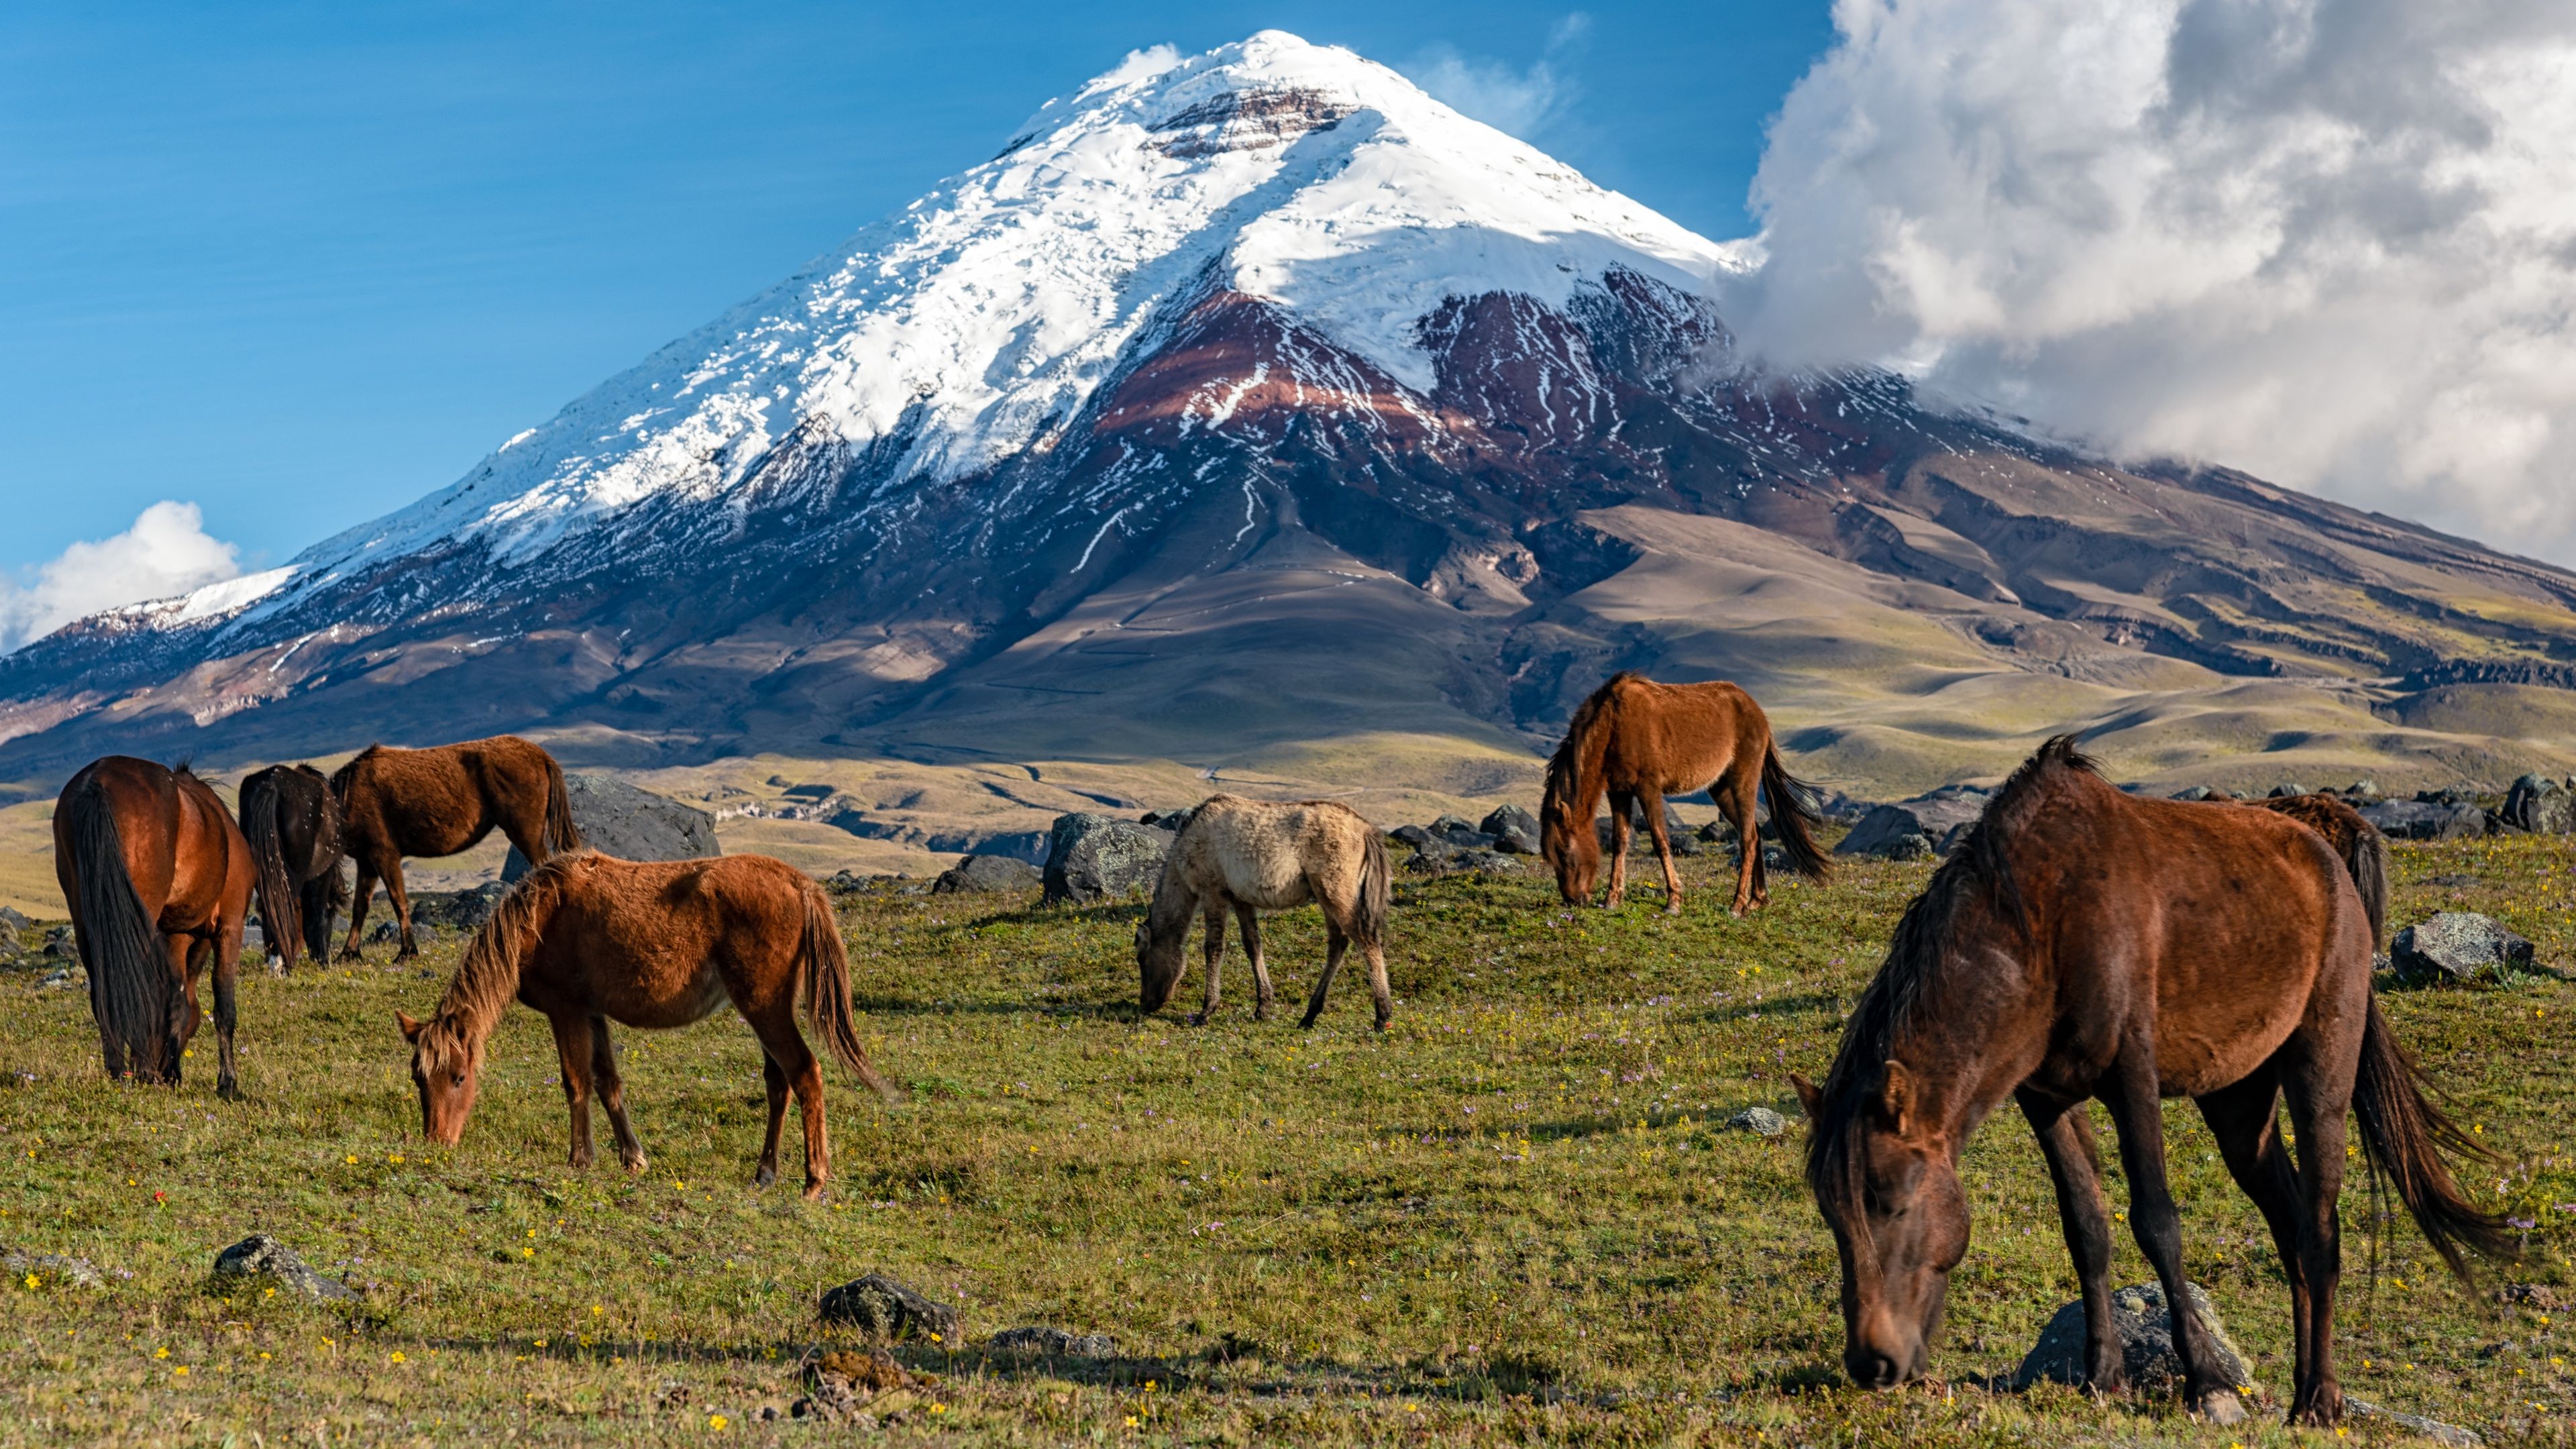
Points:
x=2084, y=944
x=293, y=826
x=2361, y=845
x=440, y=801
x=588, y=939
x=1249, y=856
x=1641, y=741
x=159, y=880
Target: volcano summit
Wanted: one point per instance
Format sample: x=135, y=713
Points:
x=1254, y=404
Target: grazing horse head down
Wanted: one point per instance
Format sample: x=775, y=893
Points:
x=446, y=1067
x=1900, y=1226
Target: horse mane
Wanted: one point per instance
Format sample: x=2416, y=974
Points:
x=487, y=979
x=1565, y=767
x=1979, y=870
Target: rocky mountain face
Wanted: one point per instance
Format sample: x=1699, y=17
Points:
x=1256, y=402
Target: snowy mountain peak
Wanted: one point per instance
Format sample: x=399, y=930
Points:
x=962, y=329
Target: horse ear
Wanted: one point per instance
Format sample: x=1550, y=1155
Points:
x=1896, y=1099
x=410, y=1028
x=1809, y=1097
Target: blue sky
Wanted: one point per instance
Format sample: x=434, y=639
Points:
x=301, y=263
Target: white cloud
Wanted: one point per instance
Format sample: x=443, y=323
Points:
x=1519, y=102
x=2332, y=242
x=167, y=552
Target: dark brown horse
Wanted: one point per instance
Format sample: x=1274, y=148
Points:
x=2363, y=848
x=1641, y=741
x=2085, y=944
x=159, y=880
x=293, y=825
x=588, y=939
x=439, y=801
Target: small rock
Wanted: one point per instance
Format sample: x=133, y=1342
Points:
x=879, y=1305
x=2530, y=1295
x=56, y=1267
x=2146, y=1344
x=11, y=922
x=1760, y=1121
x=2284, y=792
x=1907, y=847
x=64, y=977
x=2458, y=946
x=2426, y=819
x=844, y=882
x=1441, y=858
x=62, y=948
x=1040, y=1341
x=2364, y=788
x=988, y=873
x=260, y=1255
x=1515, y=831
x=2433, y=1429
x=1450, y=824
x=2192, y=792
x=385, y=931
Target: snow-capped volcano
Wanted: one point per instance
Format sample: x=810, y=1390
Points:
x=1257, y=396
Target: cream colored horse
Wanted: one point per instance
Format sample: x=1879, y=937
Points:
x=1251, y=856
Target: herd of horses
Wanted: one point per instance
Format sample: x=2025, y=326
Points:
x=2079, y=944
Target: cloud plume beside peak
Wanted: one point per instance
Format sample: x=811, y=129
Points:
x=2332, y=242
x=166, y=552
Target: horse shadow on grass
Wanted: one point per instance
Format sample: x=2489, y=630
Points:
x=1804, y=1001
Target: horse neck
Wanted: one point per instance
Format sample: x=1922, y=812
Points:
x=487, y=980
x=1168, y=919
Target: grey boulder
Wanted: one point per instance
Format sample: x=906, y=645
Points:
x=1092, y=858
x=2146, y=1343
x=878, y=1305
x=617, y=819
x=988, y=873
x=1760, y=1121
x=1931, y=819
x=2540, y=805
x=261, y=1256
x=2425, y=819
x=1515, y=830
x=2459, y=946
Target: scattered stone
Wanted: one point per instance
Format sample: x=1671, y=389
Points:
x=1760, y=1121
x=2460, y=946
x=385, y=933
x=841, y=1383
x=1929, y=819
x=1515, y=831
x=48, y=1268
x=879, y=1305
x=1417, y=836
x=1040, y=1341
x=2451, y=795
x=1451, y=825
x=261, y=1256
x=2364, y=788
x=1092, y=858
x=845, y=882
x=2284, y=792
x=1439, y=857
x=2540, y=805
x=11, y=922
x=988, y=873
x=2433, y=1429
x=618, y=819
x=2146, y=1344
x=60, y=945
x=2425, y=820
x=461, y=911
x=65, y=977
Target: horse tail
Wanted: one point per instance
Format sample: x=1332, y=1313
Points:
x=120, y=945
x=560, y=833
x=1576, y=779
x=1369, y=913
x=2406, y=1136
x=280, y=909
x=1793, y=810
x=2367, y=859
x=825, y=967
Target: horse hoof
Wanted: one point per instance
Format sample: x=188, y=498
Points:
x=813, y=1192
x=764, y=1177
x=229, y=1091
x=1198, y=1018
x=1673, y=908
x=2219, y=1406
x=635, y=1164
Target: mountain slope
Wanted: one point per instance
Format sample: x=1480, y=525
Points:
x=1252, y=402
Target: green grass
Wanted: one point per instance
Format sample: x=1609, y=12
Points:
x=1514, y=1218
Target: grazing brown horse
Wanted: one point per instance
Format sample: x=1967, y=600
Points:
x=2084, y=944
x=1641, y=741
x=588, y=939
x=439, y=801
x=293, y=825
x=2363, y=849
x=159, y=879
x=1250, y=856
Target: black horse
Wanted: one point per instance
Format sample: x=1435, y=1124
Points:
x=293, y=825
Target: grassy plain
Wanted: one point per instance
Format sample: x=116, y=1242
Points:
x=1514, y=1218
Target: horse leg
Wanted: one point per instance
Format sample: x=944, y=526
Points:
x=1215, y=958
x=572, y=1048
x=227, y=977
x=1752, y=877
x=1664, y=852
x=358, y=904
x=1335, y=943
x=775, y=1076
x=2137, y=1108
x=1378, y=989
x=2320, y=1096
x=776, y=1028
x=1620, y=805
x=402, y=909
x=612, y=1095
x=1250, y=920
x=2065, y=1135
x=2245, y=1120
x=177, y=949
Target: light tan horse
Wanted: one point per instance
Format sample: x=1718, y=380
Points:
x=1641, y=741
x=587, y=938
x=1249, y=856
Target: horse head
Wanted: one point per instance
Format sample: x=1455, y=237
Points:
x=446, y=1068
x=1158, y=964
x=1890, y=1192
x=1572, y=848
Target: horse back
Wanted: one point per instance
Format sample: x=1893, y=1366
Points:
x=1273, y=854
x=663, y=943
x=1671, y=739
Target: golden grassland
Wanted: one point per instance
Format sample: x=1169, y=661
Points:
x=1517, y=1217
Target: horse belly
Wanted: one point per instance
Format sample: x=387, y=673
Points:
x=2215, y=1026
